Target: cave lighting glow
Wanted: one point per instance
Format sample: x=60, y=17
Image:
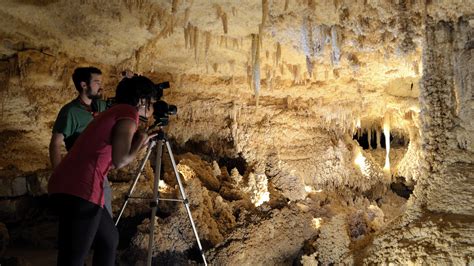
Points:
x=361, y=162
x=316, y=223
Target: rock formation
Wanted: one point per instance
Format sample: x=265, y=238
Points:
x=308, y=132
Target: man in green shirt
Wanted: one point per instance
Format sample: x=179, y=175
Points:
x=75, y=116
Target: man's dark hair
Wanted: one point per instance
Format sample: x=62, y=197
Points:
x=83, y=74
x=131, y=90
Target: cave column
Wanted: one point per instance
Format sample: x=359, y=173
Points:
x=447, y=133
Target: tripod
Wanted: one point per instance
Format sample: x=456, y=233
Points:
x=159, y=140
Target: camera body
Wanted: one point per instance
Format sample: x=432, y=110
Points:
x=161, y=112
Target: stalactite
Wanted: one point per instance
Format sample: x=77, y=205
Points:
x=268, y=76
x=218, y=10
x=196, y=43
x=235, y=43
x=186, y=16
x=249, y=74
x=174, y=6
x=221, y=41
x=207, y=45
x=260, y=34
x=336, y=51
x=253, y=49
x=306, y=39
x=319, y=39
x=265, y=10
x=256, y=65
x=215, y=66
x=309, y=66
x=224, y=22
x=171, y=26
x=287, y=2
x=234, y=11
x=232, y=69
x=296, y=74
x=220, y=14
x=187, y=36
x=278, y=54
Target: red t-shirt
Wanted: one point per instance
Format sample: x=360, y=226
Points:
x=81, y=173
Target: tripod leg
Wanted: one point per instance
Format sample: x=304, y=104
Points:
x=154, y=203
x=185, y=200
x=132, y=188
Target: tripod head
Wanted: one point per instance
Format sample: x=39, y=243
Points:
x=160, y=135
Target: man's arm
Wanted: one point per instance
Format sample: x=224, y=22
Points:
x=125, y=143
x=55, y=145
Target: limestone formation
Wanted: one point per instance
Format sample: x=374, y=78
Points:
x=307, y=132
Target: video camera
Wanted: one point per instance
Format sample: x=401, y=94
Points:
x=161, y=109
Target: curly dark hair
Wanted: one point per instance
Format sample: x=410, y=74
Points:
x=131, y=90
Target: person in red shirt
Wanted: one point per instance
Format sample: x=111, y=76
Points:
x=76, y=185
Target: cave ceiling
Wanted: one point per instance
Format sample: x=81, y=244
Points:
x=338, y=52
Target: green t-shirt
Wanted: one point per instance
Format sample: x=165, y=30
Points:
x=74, y=118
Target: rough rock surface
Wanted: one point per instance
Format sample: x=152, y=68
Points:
x=275, y=99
